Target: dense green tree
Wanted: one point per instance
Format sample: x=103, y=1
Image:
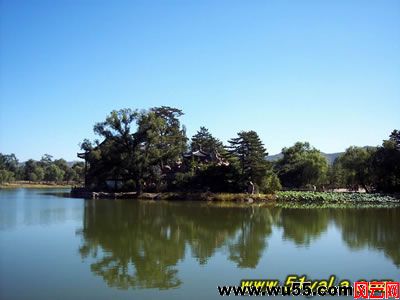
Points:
x=62, y=164
x=210, y=177
x=38, y=174
x=9, y=162
x=33, y=171
x=369, y=167
x=302, y=166
x=54, y=173
x=115, y=157
x=386, y=164
x=143, y=149
x=46, y=160
x=49, y=170
x=9, y=168
x=29, y=168
x=204, y=140
x=137, y=146
x=78, y=174
x=270, y=183
x=336, y=176
x=355, y=167
x=164, y=142
x=6, y=176
x=251, y=155
x=70, y=175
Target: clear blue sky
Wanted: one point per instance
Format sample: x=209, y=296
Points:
x=327, y=72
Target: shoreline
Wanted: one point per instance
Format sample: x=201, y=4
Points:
x=300, y=197
x=177, y=196
x=34, y=185
x=282, y=197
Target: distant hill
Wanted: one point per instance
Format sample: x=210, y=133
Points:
x=329, y=156
x=332, y=156
x=274, y=157
x=71, y=163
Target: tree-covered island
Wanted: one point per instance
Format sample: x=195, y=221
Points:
x=147, y=151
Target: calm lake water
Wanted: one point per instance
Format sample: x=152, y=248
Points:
x=60, y=248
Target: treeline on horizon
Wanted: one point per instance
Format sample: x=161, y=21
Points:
x=148, y=150
x=46, y=170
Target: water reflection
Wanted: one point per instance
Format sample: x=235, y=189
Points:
x=302, y=226
x=372, y=228
x=140, y=244
x=35, y=207
x=8, y=210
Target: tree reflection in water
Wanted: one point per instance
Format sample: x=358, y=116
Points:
x=138, y=244
x=303, y=225
x=377, y=228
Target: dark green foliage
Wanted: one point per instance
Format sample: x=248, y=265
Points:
x=6, y=176
x=47, y=169
x=9, y=162
x=183, y=181
x=375, y=169
x=203, y=140
x=46, y=160
x=270, y=183
x=335, y=176
x=354, y=167
x=137, y=146
x=250, y=154
x=147, y=148
x=32, y=171
x=37, y=171
x=78, y=172
x=212, y=178
x=8, y=167
x=62, y=164
x=302, y=166
x=386, y=164
x=218, y=178
x=54, y=173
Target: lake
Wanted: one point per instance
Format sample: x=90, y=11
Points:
x=53, y=247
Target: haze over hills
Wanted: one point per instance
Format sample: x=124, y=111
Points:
x=329, y=156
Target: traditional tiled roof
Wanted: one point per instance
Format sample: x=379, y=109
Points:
x=198, y=153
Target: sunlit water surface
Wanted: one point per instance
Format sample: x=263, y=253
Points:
x=53, y=247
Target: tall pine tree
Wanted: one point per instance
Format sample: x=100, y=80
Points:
x=204, y=140
x=251, y=154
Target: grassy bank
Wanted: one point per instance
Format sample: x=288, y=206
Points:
x=33, y=185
